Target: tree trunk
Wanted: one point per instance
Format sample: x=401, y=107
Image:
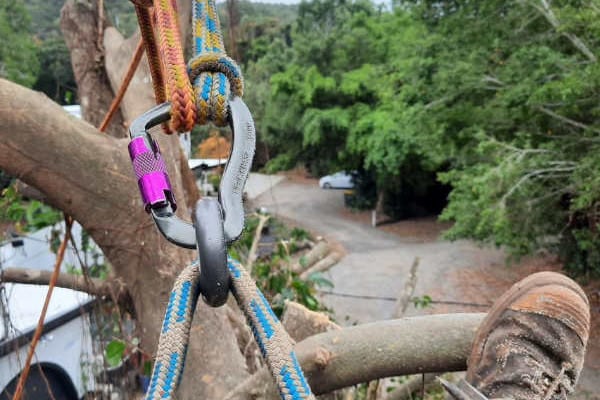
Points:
x=88, y=175
x=79, y=24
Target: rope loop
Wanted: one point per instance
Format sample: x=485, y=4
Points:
x=218, y=62
x=216, y=77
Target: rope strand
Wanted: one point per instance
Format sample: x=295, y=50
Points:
x=273, y=341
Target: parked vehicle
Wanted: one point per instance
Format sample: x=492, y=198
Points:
x=64, y=357
x=339, y=180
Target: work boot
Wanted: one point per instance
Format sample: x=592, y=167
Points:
x=531, y=344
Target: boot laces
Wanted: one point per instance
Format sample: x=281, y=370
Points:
x=561, y=385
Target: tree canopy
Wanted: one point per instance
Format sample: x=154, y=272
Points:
x=498, y=99
x=495, y=101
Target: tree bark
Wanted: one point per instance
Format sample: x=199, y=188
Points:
x=88, y=175
x=79, y=24
x=315, y=254
x=93, y=286
x=345, y=357
x=340, y=358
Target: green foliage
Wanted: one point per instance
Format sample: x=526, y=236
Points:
x=272, y=271
x=56, y=77
x=28, y=216
x=487, y=98
x=421, y=302
x=114, y=352
x=18, y=52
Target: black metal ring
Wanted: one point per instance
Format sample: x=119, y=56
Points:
x=214, y=281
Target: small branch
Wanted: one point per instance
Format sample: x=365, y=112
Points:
x=262, y=220
x=409, y=290
x=545, y=9
x=568, y=121
x=323, y=265
x=559, y=172
x=315, y=254
x=372, y=390
x=95, y=286
x=415, y=383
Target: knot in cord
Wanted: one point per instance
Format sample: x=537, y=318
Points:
x=215, y=76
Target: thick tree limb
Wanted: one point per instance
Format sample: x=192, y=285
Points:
x=93, y=286
x=88, y=175
x=337, y=359
x=80, y=23
x=346, y=357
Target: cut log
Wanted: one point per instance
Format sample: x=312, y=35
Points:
x=315, y=254
x=322, y=265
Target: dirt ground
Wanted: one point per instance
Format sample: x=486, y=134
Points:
x=484, y=283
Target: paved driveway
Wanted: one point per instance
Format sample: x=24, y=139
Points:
x=376, y=263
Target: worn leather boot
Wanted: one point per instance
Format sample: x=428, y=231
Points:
x=531, y=344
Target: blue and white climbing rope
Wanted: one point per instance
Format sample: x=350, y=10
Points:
x=273, y=341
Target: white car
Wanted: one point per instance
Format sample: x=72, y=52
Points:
x=64, y=357
x=339, y=180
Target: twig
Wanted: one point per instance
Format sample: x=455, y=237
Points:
x=372, y=390
x=415, y=383
x=262, y=220
x=409, y=290
x=568, y=121
x=114, y=106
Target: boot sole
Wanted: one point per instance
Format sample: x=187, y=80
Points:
x=516, y=292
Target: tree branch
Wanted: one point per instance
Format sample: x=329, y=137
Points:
x=262, y=220
x=568, y=121
x=409, y=290
x=545, y=9
x=323, y=265
x=346, y=357
x=320, y=250
x=93, y=286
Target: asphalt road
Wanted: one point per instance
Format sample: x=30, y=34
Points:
x=376, y=263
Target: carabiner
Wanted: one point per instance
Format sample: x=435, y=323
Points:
x=155, y=186
x=214, y=282
x=210, y=216
x=153, y=178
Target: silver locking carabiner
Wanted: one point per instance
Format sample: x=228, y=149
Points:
x=155, y=186
x=216, y=222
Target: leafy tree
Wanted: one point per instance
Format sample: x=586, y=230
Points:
x=512, y=104
x=18, y=58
